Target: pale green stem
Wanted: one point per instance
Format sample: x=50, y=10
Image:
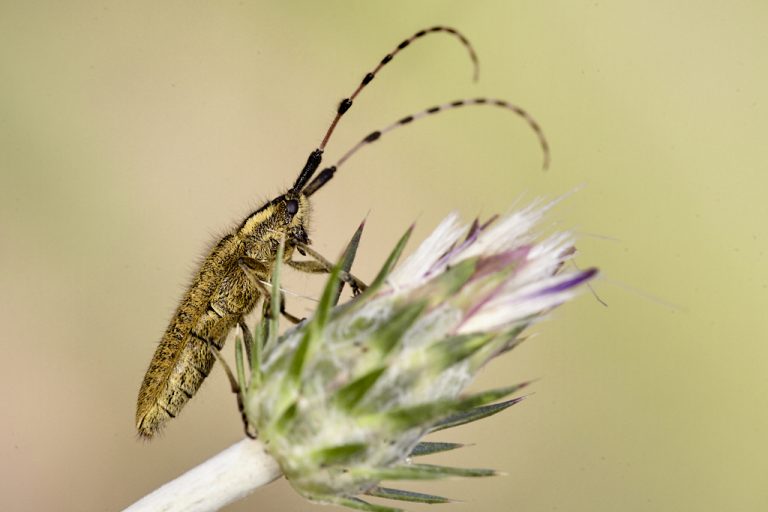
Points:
x=222, y=479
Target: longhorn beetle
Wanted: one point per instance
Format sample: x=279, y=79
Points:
x=229, y=283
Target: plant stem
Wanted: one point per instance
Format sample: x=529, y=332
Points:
x=226, y=477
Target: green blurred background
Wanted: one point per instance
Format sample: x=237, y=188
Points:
x=131, y=134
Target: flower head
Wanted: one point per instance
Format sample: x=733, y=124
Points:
x=343, y=400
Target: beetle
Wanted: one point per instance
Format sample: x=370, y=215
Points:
x=230, y=281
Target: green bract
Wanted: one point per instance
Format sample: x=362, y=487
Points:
x=343, y=400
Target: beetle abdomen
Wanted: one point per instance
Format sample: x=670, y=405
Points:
x=183, y=359
x=163, y=393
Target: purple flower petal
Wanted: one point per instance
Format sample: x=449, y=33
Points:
x=498, y=262
x=568, y=283
x=474, y=231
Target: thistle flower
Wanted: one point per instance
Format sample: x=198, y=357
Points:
x=342, y=401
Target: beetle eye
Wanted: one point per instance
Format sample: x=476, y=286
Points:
x=292, y=206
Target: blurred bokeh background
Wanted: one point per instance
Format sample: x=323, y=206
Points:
x=132, y=134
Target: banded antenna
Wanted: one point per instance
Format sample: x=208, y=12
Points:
x=346, y=103
x=327, y=173
x=313, y=162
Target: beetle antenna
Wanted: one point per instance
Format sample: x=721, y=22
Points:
x=313, y=162
x=328, y=173
x=346, y=103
